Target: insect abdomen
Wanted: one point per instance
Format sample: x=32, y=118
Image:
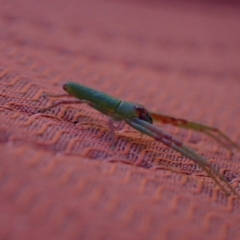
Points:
x=99, y=99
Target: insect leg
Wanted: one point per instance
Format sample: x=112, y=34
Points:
x=219, y=141
x=111, y=127
x=222, y=138
x=175, y=144
x=212, y=172
x=41, y=110
x=210, y=130
x=57, y=95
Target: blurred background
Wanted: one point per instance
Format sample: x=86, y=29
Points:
x=59, y=176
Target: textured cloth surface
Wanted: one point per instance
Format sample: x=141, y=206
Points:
x=59, y=176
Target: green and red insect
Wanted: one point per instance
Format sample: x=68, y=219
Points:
x=139, y=118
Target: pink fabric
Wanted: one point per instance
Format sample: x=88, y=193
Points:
x=59, y=176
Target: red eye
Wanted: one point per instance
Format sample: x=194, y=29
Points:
x=143, y=114
x=65, y=86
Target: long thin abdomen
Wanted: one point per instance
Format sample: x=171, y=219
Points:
x=97, y=98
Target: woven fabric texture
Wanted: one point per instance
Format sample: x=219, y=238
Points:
x=59, y=176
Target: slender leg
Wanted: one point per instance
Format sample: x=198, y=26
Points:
x=220, y=141
x=210, y=131
x=118, y=124
x=60, y=103
x=175, y=144
x=112, y=134
x=57, y=95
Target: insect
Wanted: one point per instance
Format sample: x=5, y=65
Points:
x=140, y=119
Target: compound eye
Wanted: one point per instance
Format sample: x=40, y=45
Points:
x=143, y=114
x=146, y=117
x=139, y=108
x=65, y=87
x=149, y=119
